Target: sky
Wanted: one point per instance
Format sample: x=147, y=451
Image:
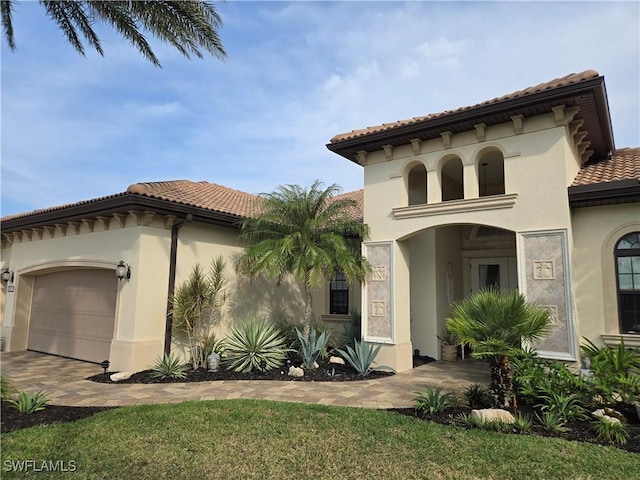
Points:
x=75, y=128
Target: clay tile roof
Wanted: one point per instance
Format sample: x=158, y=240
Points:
x=205, y=195
x=558, y=82
x=624, y=164
x=357, y=211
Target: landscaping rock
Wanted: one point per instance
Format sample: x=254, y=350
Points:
x=607, y=412
x=296, y=372
x=336, y=360
x=116, y=377
x=493, y=415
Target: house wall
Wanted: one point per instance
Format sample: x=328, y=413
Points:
x=139, y=329
x=539, y=164
x=596, y=232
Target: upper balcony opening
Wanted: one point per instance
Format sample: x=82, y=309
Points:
x=491, y=174
x=452, y=180
x=417, y=185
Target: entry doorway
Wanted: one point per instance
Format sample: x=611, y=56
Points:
x=498, y=272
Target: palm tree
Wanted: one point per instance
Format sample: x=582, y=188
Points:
x=305, y=234
x=495, y=324
x=189, y=25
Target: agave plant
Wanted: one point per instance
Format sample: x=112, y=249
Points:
x=362, y=357
x=30, y=402
x=169, y=366
x=255, y=345
x=312, y=348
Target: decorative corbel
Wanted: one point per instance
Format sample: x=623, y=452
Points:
x=89, y=223
x=148, y=217
x=481, y=133
x=518, y=123
x=36, y=233
x=446, y=139
x=75, y=227
x=62, y=228
x=388, y=151
x=50, y=231
x=362, y=157
x=26, y=235
x=575, y=126
x=416, y=146
x=169, y=220
x=120, y=218
x=586, y=155
x=104, y=221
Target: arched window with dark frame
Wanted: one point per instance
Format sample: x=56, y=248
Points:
x=338, y=294
x=627, y=255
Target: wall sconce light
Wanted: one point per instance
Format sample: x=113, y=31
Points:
x=6, y=276
x=123, y=271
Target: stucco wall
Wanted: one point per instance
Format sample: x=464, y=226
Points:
x=596, y=231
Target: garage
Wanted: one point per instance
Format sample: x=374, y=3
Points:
x=73, y=313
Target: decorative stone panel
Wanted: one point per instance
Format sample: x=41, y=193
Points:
x=378, y=293
x=546, y=280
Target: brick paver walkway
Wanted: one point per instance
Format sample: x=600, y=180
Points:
x=65, y=380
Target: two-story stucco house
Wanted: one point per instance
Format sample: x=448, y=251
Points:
x=524, y=191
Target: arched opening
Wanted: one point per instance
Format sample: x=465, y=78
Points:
x=627, y=253
x=491, y=174
x=417, y=185
x=452, y=180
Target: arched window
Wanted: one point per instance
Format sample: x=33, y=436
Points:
x=452, y=180
x=491, y=174
x=627, y=255
x=417, y=185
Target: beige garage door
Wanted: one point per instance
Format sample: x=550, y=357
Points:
x=73, y=313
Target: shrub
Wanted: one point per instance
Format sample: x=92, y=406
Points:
x=361, y=357
x=610, y=431
x=30, y=402
x=477, y=396
x=551, y=422
x=169, y=367
x=523, y=423
x=6, y=388
x=255, y=345
x=566, y=407
x=433, y=401
x=470, y=421
x=310, y=350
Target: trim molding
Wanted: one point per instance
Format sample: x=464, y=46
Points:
x=493, y=202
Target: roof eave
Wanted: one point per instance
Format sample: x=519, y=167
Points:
x=595, y=85
x=119, y=204
x=606, y=193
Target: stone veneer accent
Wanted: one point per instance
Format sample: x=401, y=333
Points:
x=378, y=293
x=545, y=279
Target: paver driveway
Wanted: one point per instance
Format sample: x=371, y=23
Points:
x=65, y=380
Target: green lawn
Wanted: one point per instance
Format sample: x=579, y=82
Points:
x=260, y=439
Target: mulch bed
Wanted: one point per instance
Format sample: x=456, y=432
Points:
x=326, y=372
x=578, y=431
x=11, y=419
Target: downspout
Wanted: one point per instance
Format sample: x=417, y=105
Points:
x=173, y=255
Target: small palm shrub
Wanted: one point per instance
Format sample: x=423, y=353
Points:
x=6, y=388
x=433, y=401
x=523, y=423
x=361, y=357
x=311, y=349
x=169, y=366
x=477, y=396
x=610, y=431
x=255, y=345
x=30, y=402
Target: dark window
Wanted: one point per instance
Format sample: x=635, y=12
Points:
x=339, y=295
x=627, y=255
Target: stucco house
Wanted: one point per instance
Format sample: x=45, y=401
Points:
x=523, y=191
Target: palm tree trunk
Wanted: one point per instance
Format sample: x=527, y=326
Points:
x=308, y=310
x=501, y=382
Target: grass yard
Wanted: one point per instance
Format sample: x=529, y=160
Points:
x=260, y=439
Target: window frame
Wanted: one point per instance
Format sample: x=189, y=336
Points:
x=634, y=293
x=338, y=297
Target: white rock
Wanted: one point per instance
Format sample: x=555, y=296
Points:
x=296, y=372
x=607, y=412
x=116, y=377
x=493, y=415
x=612, y=420
x=338, y=360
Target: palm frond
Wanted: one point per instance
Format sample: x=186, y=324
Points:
x=6, y=10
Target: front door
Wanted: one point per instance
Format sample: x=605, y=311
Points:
x=499, y=273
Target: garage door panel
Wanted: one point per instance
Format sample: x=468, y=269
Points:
x=73, y=313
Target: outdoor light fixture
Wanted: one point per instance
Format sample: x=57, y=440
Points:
x=6, y=276
x=105, y=365
x=123, y=271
